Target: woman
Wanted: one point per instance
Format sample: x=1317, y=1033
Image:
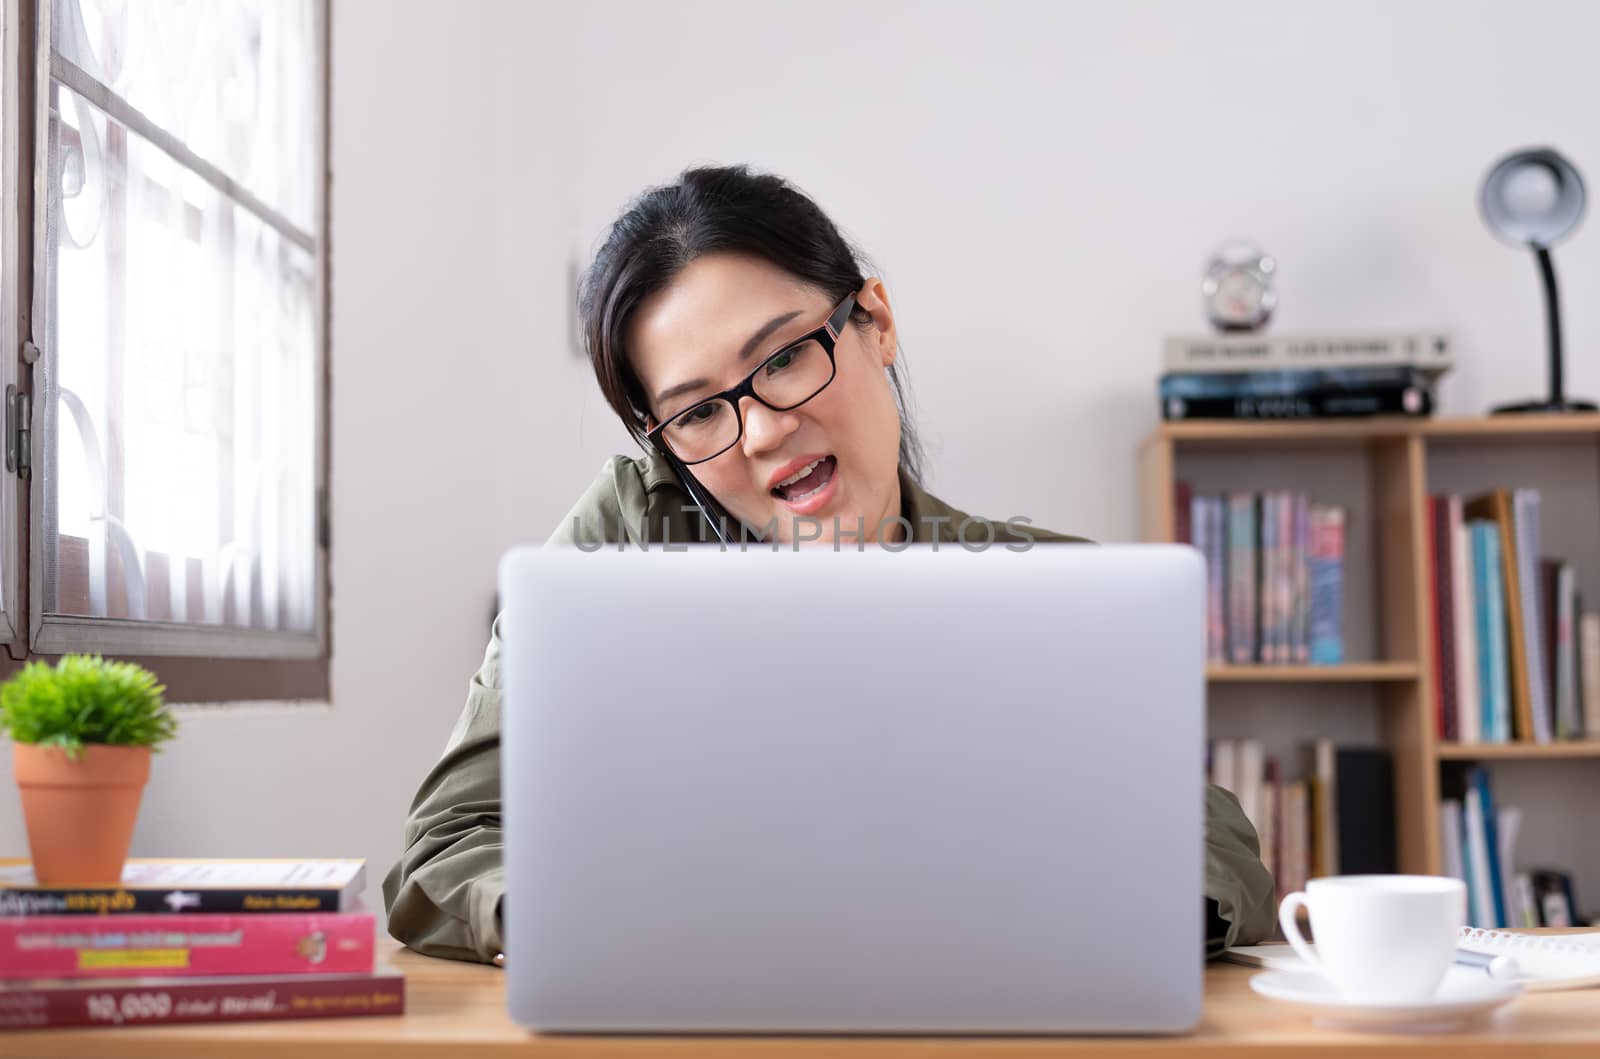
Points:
x=734, y=333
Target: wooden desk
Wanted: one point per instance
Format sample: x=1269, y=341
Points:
x=456, y=1009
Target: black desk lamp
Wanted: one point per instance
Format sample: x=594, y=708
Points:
x=1533, y=199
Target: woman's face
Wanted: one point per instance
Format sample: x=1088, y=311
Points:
x=719, y=319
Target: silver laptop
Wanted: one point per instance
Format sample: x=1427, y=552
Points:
x=837, y=791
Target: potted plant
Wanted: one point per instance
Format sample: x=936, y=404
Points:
x=84, y=731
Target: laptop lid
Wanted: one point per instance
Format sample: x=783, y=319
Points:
x=817, y=791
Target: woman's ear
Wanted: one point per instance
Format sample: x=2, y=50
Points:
x=874, y=298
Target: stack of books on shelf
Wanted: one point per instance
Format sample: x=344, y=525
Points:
x=1302, y=376
x=1515, y=658
x=1274, y=575
x=191, y=941
x=1479, y=847
x=1335, y=819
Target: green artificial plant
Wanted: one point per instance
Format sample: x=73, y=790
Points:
x=84, y=699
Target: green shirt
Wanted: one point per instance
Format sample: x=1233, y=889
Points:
x=443, y=895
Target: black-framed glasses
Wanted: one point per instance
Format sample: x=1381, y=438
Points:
x=782, y=381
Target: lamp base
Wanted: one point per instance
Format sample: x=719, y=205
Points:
x=1535, y=407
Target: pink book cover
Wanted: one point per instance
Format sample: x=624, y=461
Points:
x=136, y=945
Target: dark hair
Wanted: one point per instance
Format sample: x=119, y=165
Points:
x=709, y=210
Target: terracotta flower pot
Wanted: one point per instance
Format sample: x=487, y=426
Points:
x=80, y=813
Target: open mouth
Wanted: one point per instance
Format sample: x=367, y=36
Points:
x=808, y=482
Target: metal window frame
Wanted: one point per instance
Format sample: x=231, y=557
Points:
x=206, y=652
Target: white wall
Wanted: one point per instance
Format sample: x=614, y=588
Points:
x=1038, y=182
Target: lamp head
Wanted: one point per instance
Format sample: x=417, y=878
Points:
x=1533, y=198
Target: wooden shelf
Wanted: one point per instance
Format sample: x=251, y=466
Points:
x=1344, y=673
x=1512, y=751
x=1382, y=466
x=1337, y=431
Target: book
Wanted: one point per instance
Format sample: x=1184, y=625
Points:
x=1428, y=351
x=1363, y=818
x=1497, y=508
x=1294, y=864
x=1269, y=834
x=1561, y=651
x=1542, y=962
x=1223, y=768
x=1251, y=772
x=1480, y=902
x=1527, y=536
x=1589, y=629
x=1469, y=709
x=1508, y=824
x=1242, y=584
x=1182, y=502
x=1488, y=594
x=1292, y=395
x=1326, y=575
x=1488, y=819
x=158, y=885
x=1442, y=596
x=1302, y=579
x=1324, y=810
x=31, y=1004
x=1450, y=839
x=1216, y=579
x=185, y=945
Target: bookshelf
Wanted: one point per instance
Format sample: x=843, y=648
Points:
x=1383, y=470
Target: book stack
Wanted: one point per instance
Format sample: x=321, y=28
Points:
x=191, y=941
x=1274, y=575
x=1302, y=376
x=1479, y=847
x=1337, y=818
x=1515, y=658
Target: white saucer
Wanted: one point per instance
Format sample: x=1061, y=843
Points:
x=1465, y=994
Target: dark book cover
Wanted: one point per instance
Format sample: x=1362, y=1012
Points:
x=157, y=886
x=1364, y=788
x=53, y=1003
x=1550, y=632
x=1182, y=507
x=1312, y=404
x=1445, y=618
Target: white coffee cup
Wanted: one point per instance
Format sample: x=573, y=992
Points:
x=1380, y=938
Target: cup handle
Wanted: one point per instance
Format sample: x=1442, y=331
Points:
x=1291, y=929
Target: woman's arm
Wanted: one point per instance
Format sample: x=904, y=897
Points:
x=1235, y=877
x=443, y=895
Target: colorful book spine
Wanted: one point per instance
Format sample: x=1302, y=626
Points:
x=1491, y=844
x=1589, y=630
x=48, y=1004
x=1242, y=598
x=1217, y=577
x=1327, y=585
x=1526, y=537
x=1302, y=576
x=1494, y=628
x=1480, y=905
x=1444, y=618
x=185, y=945
x=1490, y=629
x=1562, y=655
x=1286, y=577
x=1469, y=710
x=1267, y=560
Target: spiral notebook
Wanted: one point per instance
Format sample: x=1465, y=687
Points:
x=1544, y=961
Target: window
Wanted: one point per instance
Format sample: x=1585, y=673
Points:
x=170, y=321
